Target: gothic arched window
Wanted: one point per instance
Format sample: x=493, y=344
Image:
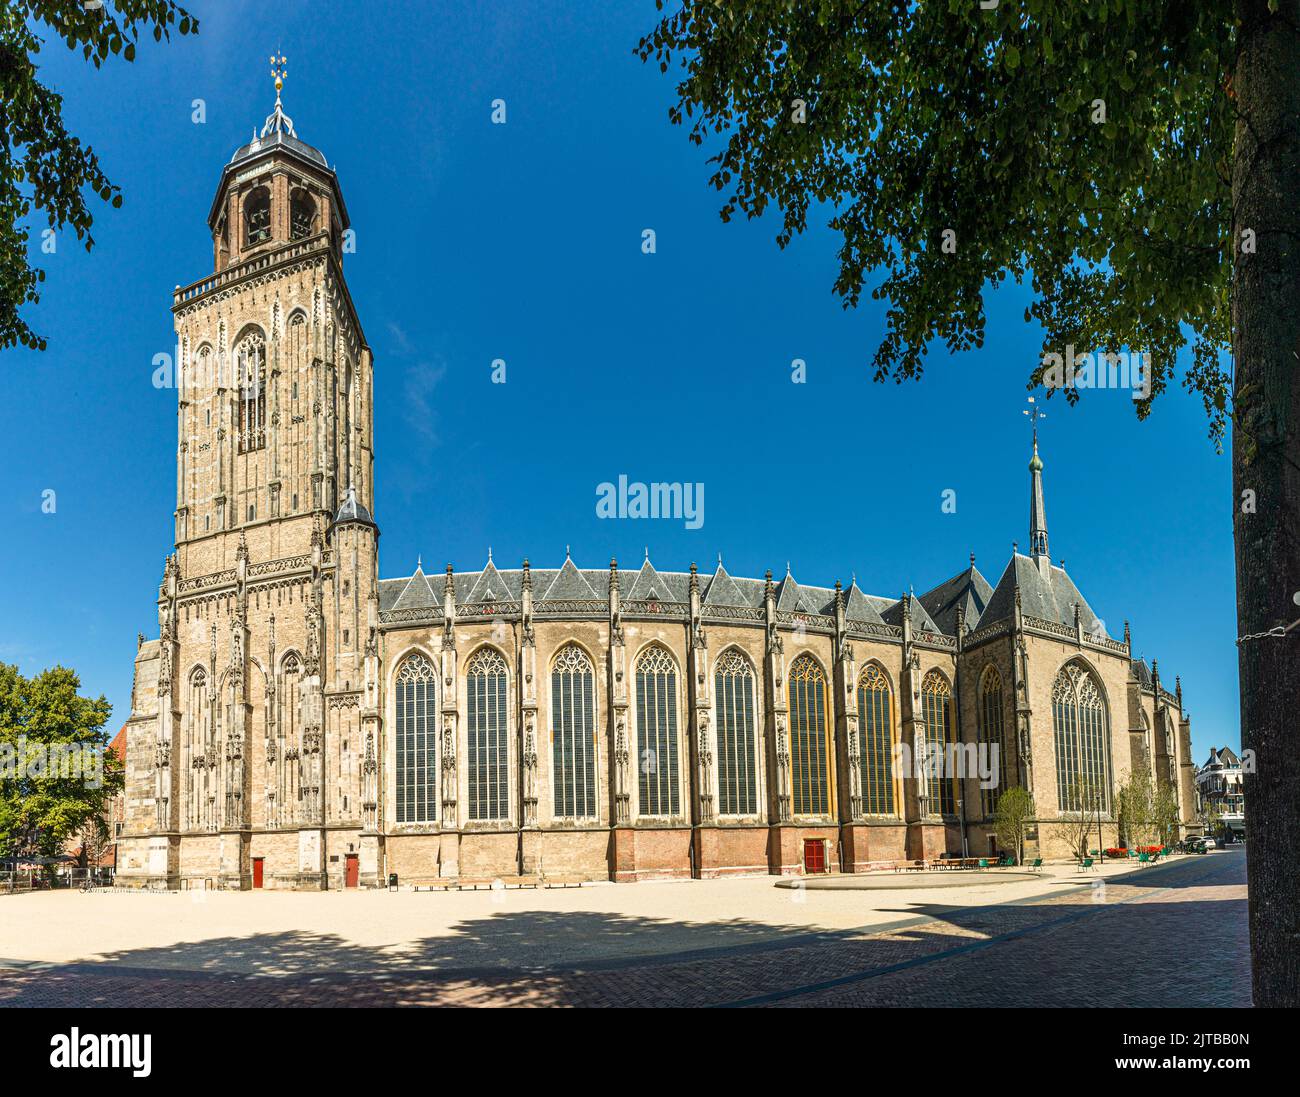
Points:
x=573, y=734
x=488, y=753
x=196, y=746
x=257, y=217
x=809, y=746
x=1081, y=735
x=288, y=697
x=417, y=742
x=936, y=712
x=992, y=732
x=250, y=363
x=302, y=214
x=876, y=742
x=656, y=730
x=733, y=681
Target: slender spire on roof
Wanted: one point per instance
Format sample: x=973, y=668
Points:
x=1037, y=509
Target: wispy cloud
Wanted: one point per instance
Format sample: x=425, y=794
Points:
x=400, y=337
x=418, y=388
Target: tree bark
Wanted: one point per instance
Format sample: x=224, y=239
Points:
x=1266, y=477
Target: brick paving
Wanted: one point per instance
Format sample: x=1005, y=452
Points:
x=1138, y=940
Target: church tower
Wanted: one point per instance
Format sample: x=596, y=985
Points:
x=268, y=606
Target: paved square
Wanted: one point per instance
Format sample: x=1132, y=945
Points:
x=1119, y=938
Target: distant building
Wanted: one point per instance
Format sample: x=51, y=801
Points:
x=1218, y=784
x=103, y=854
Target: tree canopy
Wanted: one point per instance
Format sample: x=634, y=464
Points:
x=42, y=166
x=1083, y=146
x=50, y=783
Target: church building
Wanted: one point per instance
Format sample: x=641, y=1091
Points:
x=301, y=722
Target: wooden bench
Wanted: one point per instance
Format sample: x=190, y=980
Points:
x=478, y=883
x=431, y=883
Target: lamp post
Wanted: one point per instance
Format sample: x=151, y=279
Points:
x=961, y=815
x=1101, y=846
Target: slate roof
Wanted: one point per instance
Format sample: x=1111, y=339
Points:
x=967, y=590
x=352, y=511
x=571, y=582
x=1142, y=673
x=861, y=607
x=278, y=133
x=1224, y=756
x=1049, y=594
x=892, y=614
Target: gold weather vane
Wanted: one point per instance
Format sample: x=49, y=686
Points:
x=279, y=68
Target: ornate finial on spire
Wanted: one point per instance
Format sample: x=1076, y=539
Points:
x=489, y=554
x=277, y=121
x=972, y=559
x=566, y=552
x=279, y=69
x=419, y=561
x=719, y=559
x=647, y=553
x=1035, y=413
x=1127, y=641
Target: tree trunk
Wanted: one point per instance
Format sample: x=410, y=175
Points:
x=1266, y=478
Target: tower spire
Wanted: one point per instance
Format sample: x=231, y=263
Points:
x=1037, y=508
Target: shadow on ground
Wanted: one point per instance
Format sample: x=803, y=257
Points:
x=1068, y=951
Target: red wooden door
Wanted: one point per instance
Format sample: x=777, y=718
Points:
x=257, y=872
x=351, y=871
x=814, y=855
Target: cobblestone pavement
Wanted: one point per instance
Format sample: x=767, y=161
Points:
x=1134, y=941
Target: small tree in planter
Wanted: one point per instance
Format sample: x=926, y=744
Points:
x=1081, y=819
x=1137, y=809
x=1011, y=820
x=1165, y=814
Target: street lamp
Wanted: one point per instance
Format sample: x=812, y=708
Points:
x=961, y=815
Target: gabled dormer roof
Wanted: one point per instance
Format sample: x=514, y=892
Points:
x=418, y=593
x=857, y=607
x=649, y=584
x=570, y=583
x=967, y=590
x=921, y=620
x=490, y=586
x=1142, y=673
x=722, y=590
x=792, y=598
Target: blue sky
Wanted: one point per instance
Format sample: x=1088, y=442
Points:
x=523, y=242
